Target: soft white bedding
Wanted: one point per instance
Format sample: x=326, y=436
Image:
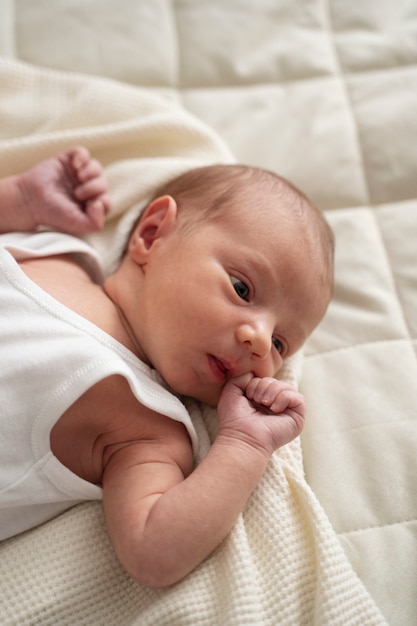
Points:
x=324, y=93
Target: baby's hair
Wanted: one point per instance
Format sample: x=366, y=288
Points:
x=205, y=193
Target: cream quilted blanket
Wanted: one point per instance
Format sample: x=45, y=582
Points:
x=282, y=562
x=325, y=93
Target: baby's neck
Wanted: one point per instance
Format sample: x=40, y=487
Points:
x=136, y=348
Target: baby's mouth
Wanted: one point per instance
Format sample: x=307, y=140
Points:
x=218, y=367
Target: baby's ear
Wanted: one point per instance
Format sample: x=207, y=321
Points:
x=158, y=220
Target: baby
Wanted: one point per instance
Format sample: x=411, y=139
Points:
x=225, y=274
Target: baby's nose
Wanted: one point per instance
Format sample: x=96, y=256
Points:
x=257, y=337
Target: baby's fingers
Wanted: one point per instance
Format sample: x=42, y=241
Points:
x=261, y=391
x=274, y=395
x=288, y=401
x=96, y=211
x=91, y=169
x=91, y=190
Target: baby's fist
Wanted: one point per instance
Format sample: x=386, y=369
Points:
x=267, y=412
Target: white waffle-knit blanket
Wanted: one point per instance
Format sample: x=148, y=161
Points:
x=282, y=563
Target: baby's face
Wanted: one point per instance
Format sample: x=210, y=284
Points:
x=229, y=297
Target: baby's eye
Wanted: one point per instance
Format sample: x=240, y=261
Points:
x=240, y=287
x=277, y=344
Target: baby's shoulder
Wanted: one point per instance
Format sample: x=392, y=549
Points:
x=68, y=282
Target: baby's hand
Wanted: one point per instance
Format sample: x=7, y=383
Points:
x=66, y=193
x=263, y=412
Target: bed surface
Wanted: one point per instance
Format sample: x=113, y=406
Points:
x=325, y=93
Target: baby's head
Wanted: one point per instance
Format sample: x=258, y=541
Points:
x=218, y=192
x=236, y=272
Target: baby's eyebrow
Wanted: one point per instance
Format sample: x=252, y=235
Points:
x=256, y=263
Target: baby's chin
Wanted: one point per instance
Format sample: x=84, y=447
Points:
x=202, y=392
x=210, y=397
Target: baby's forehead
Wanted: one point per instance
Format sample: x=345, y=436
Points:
x=250, y=210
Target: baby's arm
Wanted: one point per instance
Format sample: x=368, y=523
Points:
x=67, y=193
x=162, y=525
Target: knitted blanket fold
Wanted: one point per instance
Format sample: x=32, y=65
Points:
x=282, y=562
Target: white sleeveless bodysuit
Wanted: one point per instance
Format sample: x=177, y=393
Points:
x=49, y=356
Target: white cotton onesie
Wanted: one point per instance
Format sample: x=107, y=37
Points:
x=49, y=356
